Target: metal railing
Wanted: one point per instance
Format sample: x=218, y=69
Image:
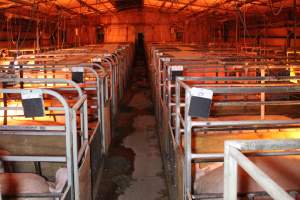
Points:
x=233, y=157
x=95, y=77
x=65, y=131
x=162, y=57
x=186, y=125
x=71, y=119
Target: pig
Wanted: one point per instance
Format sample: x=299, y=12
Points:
x=61, y=178
x=21, y=183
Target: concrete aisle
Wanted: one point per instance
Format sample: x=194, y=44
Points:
x=134, y=170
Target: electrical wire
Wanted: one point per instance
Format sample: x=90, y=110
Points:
x=13, y=23
x=242, y=17
x=8, y=33
x=32, y=14
x=275, y=13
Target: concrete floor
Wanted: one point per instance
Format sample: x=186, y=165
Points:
x=139, y=171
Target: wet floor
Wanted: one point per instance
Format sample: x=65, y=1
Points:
x=133, y=169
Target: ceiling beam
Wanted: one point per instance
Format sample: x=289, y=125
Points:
x=22, y=2
x=68, y=10
x=109, y=10
x=19, y=4
x=196, y=5
x=89, y=7
x=217, y=7
x=169, y=10
x=27, y=14
x=208, y=8
x=162, y=5
x=6, y=5
x=186, y=6
x=34, y=8
x=91, y=4
x=266, y=4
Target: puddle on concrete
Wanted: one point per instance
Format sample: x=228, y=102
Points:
x=118, y=175
x=118, y=169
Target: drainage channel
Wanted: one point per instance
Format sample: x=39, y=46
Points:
x=133, y=168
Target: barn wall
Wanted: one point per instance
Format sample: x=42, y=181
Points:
x=161, y=27
x=264, y=30
x=198, y=31
x=17, y=32
x=124, y=27
x=120, y=27
x=156, y=26
x=78, y=35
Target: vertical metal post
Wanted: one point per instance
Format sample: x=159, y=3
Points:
x=165, y=73
x=102, y=102
x=169, y=97
x=5, y=105
x=69, y=153
x=85, y=121
x=177, y=127
x=116, y=83
x=37, y=36
x=187, y=147
x=234, y=156
x=116, y=89
x=112, y=81
x=262, y=97
x=159, y=91
x=118, y=75
x=75, y=158
x=21, y=76
x=58, y=35
x=230, y=175
x=100, y=94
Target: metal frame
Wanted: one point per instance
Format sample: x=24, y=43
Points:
x=69, y=158
x=234, y=157
x=188, y=124
x=168, y=84
x=95, y=83
x=160, y=61
x=59, y=60
x=162, y=66
x=90, y=68
x=117, y=61
x=80, y=105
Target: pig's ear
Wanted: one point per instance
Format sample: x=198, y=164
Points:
x=61, y=179
x=52, y=188
x=198, y=171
